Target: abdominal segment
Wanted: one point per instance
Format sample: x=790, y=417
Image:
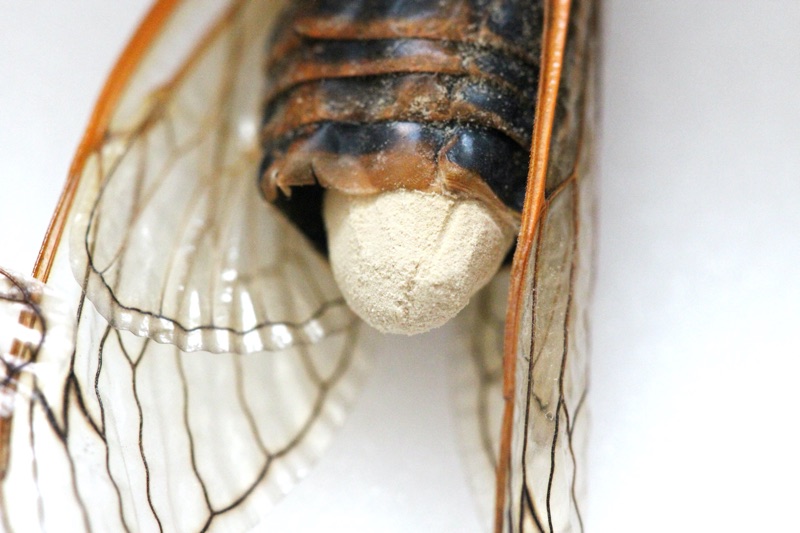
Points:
x=370, y=96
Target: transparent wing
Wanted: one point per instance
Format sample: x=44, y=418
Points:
x=551, y=377
x=172, y=234
x=543, y=483
x=478, y=388
x=119, y=430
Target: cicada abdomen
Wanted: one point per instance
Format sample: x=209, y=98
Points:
x=367, y=97
x=373, y=96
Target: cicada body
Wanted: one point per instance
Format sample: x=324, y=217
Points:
x=211, y=352
x=367, y=97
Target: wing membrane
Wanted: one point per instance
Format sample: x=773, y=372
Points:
x=546, y=366
x=182, y=181
x=478, y=387
x=551, y=380
x=174, y=252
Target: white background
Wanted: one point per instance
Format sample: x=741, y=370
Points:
x=695, y=356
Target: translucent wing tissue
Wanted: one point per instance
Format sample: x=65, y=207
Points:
x=176, y=243
x=539, y=476
x=123, y=433
x=477, y=384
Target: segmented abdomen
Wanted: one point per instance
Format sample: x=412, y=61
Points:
x=374, y=95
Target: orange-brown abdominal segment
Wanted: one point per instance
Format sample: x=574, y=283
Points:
x=397, y=155
x=357, y=58
x=498, y=23
x=422, y=98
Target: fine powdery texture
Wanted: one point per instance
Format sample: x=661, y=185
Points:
x=408, y=261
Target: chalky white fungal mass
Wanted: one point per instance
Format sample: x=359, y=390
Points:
x=408, y=261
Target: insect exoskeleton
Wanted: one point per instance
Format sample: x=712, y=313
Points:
x=416, y=119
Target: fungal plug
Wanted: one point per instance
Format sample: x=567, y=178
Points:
x=408, y=261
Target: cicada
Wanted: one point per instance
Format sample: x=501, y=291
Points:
x=186, y=351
